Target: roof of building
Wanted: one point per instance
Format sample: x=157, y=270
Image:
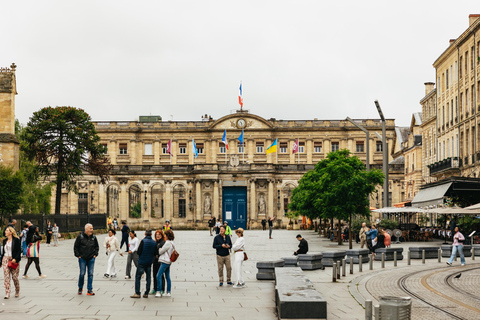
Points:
x=399, y=160
x=418, y=118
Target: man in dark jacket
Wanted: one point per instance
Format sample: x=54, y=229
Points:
x=222, y=243
x=86, y=250
x=125, y=231
x=302, y=246
x=146, y=252
x=10, y=224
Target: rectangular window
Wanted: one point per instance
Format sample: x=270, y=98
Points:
x=123, y=148
x=222, y=147
x=106, y=147
x=148, y=149
x=360, y=146
x=460, y=67
x=259, y=147
x=199, y=148
x=181, y=208
x=379, y=146
x=317, y=147
x=182, y=148
x=466, y=62
x=241, y=148
x=335, y=146
x=472, y=63
x=83, y=203
x=301, y=147
x=283, y=147
x=164, y=149
x=446, y=78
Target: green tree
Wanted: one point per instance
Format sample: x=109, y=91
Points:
x=11, y=186
x=338, y=187
x=63, y=143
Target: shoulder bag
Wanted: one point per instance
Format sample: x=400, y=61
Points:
x=174, y=255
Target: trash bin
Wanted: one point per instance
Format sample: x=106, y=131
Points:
x=395, y=308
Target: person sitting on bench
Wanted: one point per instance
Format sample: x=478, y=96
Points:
x=302, y=246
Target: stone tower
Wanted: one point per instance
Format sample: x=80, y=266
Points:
x=9, y=145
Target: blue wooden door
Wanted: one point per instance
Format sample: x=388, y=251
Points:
x=234, y=207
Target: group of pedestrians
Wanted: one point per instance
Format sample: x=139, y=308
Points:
x=222, y=243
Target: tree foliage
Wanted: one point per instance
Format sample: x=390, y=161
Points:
x=63, y=143
x=11, y=186
x=338, y=187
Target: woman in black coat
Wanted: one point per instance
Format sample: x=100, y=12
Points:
x=12, y=251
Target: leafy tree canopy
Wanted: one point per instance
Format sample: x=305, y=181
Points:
x=11, y=186
x=63, y=143
x=337, y=187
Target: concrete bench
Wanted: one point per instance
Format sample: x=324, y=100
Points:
x=430, y=252
x=447, y=251
x=477, y=249
x=296, y=297
x=330, y=257
x=290, y=261
x=389, y=252
x=310, y=261
x=356, y=253
x=266, y=269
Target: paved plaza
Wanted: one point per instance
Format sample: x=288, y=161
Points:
x=195, y=290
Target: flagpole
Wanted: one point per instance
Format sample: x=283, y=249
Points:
x=243, y=153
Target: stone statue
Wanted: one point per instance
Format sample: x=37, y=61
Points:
x=207, y=205
x=262, y=205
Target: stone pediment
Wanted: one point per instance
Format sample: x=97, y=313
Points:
x=239, y=121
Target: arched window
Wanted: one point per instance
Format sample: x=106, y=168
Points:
x=179, y=201
x=157, y=202
x=135, y=204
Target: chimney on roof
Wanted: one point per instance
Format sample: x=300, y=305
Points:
x=472, y=18
x=451, y=41
x=429, y=87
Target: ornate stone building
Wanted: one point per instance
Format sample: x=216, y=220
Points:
x=9, y=145
x=241, y=184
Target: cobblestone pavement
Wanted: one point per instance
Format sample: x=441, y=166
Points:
x=195, y=291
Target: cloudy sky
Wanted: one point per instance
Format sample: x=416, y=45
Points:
x=181, y=59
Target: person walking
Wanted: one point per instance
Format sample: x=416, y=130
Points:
x=164, y=258
x=222, y=243
x=33, y=250
x=132, y=254
x=228, y=230
x=217, y=226
x=115, y=224
x=457, y=245
x=24, y=240
x=55, y=230
x=270, y=226
x=86, y=250
x=160, y=241
x=362, y=234
x=10, y=224
x=239, y=254
x=125, y=232
x=12, y=253
x=49, y=233
x=211, y=225
x=146, y=252
x=113, y=246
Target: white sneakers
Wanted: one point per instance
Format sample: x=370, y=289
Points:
x=168, y=294
x=159, y=294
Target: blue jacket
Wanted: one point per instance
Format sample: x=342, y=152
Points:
x=372, y=233
x=146, y=251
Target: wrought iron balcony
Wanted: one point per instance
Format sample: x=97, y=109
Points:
x=444, y=165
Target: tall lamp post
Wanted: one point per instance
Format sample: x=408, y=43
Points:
x=385, y=155
x=368, y=140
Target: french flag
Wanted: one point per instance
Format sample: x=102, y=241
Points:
x=224, y=139
x=240, y=97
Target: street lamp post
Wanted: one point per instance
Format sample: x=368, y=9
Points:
x=385, y=155
x=368, y=140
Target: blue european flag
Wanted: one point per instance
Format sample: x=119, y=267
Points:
x=194, y=149
x=241, y=137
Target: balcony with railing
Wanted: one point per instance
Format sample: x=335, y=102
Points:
x=445, y=166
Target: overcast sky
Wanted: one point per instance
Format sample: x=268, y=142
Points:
x=180, y=59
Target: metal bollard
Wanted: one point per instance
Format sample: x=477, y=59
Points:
x=368, y=310
x=351, y=265
x=473, y=253
x=383, y=260
x=339, y=266
x=377, y=312
x=439, y=255
x=395, y=258
x=423, y=256
x=370, y=262
x=334, y=272
x=344, y=267
x=360, y=263
x=408, y=257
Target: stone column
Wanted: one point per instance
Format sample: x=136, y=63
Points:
x=112, y=151
x=156, y=152
x=123, y=195
x=270, y=197
x=168, y=200
x=251, y=149
x=253, y=200
x=216, y=200
x=309, y=148
x=102, y=198
x=191, y=155
x=213, y=150
x=198, y=195
x=174, y=149
x=270, y=156
x=132, y=151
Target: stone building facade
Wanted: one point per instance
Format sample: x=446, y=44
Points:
x=242, y=184
x=9, y=145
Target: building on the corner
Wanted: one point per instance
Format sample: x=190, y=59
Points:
x=9, y=145
x=242, y=184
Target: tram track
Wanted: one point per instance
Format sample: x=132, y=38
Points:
x=402, y=282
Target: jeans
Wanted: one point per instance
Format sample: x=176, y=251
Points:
x=458, y=248
x=124, y=240
x=270, y=229
x=138, y=277
x=164, y=268
x=155, y=268
x=24, y=248
x=90, y=264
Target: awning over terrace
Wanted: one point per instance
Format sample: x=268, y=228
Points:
x=431, y=196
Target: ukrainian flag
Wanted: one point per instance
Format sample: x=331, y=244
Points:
x=273, y=147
